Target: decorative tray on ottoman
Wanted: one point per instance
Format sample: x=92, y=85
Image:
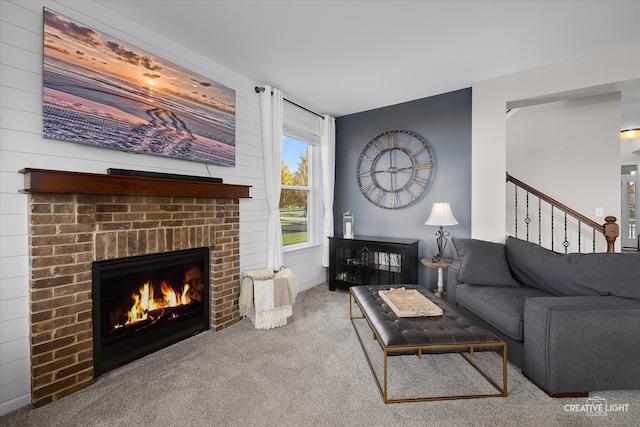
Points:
x=409, y=303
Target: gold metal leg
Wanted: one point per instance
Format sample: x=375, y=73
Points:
x=504, y=370
x=384, y=396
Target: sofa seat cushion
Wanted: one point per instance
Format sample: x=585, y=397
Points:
x=574, y=274
x=501, y=307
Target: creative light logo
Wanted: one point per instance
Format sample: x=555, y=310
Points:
x=596, y=407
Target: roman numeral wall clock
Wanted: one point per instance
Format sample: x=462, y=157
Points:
x=395, y=169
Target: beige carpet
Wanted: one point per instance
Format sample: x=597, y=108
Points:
x=309, y=373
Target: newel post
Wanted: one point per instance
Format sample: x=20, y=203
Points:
x=611, y=232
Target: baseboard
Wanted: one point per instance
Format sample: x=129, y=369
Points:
x=313, y=284
x=557, y=395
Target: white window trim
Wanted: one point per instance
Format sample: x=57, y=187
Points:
x=311, y=202
x=303, y=126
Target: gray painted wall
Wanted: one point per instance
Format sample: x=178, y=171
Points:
x=444, y=121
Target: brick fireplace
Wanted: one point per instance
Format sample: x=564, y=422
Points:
x=76, y=219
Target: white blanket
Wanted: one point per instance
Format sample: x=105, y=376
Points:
x=268, y=303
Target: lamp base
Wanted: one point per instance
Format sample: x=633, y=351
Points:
x=441, y=241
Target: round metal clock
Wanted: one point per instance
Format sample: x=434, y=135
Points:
x=395, y=169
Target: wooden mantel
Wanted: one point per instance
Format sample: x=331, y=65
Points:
x=63, y=182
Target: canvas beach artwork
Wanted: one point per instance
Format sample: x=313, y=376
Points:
x=101, y=91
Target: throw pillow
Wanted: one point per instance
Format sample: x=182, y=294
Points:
x=575, y=273
x=483, y=263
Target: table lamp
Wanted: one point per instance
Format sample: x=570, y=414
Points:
x=441, y=216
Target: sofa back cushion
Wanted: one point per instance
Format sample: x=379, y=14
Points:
x=483, y=263
x=574, y=274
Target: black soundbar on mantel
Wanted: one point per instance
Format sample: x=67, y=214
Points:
x=146, y=174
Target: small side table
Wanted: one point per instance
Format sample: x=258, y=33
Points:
x=441, y=266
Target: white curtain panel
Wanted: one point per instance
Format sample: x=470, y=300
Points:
x=271, y=112
x=328, y=157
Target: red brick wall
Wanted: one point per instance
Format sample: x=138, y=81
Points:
x=69, y=232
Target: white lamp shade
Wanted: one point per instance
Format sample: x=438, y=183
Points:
x=441, y=215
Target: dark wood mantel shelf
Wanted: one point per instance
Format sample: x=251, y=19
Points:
x=63, y=182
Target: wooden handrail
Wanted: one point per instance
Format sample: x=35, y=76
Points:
x=556, y=203
x=609, y=229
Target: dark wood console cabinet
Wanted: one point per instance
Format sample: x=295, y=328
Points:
x=367, y=260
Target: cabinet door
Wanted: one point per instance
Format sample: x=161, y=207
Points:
x=350, y=263
x=386, y=266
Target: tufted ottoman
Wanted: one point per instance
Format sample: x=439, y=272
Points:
x=450, y=333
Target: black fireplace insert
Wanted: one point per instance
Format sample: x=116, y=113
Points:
x=144, y=303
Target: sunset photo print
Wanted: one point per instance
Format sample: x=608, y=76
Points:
x=101, y=91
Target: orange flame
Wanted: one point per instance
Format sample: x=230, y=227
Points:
x=144, y=301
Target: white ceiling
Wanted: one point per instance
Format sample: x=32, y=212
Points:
x=343, y=57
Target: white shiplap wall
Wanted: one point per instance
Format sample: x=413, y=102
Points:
x=21, y=146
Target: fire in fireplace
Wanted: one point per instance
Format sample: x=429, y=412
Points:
x=144, y=303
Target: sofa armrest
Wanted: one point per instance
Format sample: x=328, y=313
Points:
x=584, y=343
x=453, y=280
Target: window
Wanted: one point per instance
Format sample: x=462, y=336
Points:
x=295, y=195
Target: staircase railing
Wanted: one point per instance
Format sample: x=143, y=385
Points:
x=574, y=224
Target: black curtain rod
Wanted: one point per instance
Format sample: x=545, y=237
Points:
x=259, y=89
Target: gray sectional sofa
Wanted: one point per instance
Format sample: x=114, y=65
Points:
x=571, y=321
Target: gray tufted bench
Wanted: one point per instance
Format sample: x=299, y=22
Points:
x=450, y=333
